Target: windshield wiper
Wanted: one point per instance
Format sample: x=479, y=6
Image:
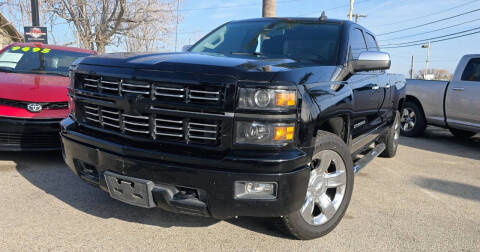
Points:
x=6, y=70
x=58, y=74
x=50, y=73
x=247, y=53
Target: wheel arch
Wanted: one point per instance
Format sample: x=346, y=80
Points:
x=338, y=125
x=400, y=104
x=411, y=98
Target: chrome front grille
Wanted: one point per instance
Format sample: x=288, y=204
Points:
x=152, y=126
x=170, y=127
x=204, y=95
x=202, y=131
x=188, y=94
x=132, y=87
x=162, y=91
x=136, y=124
x=170, y=92
x=90, y=83
x=115, y=86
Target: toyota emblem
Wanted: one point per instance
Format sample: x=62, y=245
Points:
x=34, y=107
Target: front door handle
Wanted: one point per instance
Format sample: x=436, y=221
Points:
x=388, y=85
x=458, y=89
x=375, y=87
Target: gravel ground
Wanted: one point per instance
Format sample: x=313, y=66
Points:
x=427, y=198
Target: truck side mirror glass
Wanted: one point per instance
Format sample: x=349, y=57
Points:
x=186, y=48
x=370, y=61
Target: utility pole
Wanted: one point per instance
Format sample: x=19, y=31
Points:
x=428, y=59
x=269, y=8
x=350, y=14
x=35, y=15
x=176, y=26
x=411, y=69
x=358, y=16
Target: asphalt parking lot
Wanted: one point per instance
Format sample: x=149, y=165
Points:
x=427, y=198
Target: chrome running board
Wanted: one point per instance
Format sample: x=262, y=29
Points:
x=360, y=164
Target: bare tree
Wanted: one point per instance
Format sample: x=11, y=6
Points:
x=153, y=30
x=99, y=23
x=19, y=12
x=438, y=74
x=269, y=8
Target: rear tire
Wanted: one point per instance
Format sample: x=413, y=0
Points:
x=391, y=138
x=329, y=190
x=412, y=120
x=462, y=133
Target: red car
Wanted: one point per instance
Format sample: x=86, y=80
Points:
x=33, y=94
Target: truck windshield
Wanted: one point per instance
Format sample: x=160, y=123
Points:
x=37, y=60
x=301, y=41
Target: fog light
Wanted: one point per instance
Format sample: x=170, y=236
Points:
x=255, y=190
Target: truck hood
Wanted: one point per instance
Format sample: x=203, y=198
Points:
x=238, y=67
x=33, y=87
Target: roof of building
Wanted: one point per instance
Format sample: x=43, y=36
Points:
x=10, y=29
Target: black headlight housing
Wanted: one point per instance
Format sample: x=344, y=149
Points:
x=266, y=115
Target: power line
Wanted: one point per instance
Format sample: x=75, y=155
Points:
x=460, y=36
x=425, y=40
x=207, y=8
x=422, y=33
x=220, y=7
x=190, y=32
x=424, y=16
x=429, y=23
x=305, y=14
x=333, y=8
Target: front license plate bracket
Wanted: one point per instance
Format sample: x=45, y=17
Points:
x=133, y=191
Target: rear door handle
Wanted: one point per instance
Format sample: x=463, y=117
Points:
x=375, y=87
x=458, y=89
x=387, y=86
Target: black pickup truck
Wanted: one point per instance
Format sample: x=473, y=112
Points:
x=263, y=117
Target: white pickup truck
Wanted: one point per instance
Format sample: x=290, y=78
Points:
x=451, y=104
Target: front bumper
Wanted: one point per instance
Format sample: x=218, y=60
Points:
x=213, y=180
x=18, y=134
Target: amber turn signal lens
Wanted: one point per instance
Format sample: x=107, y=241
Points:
x=285, y=99
x=284, y=133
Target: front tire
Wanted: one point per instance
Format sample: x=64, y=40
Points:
x=412, y=120
x=329, y=190
x=391, y=138
x=462, y=133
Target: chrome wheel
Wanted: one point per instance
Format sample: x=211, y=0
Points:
x=326, y=187
x=408, y=119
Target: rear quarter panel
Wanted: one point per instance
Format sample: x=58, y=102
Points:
x=431, y=95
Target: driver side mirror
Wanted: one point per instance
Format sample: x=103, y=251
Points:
x=371, y=61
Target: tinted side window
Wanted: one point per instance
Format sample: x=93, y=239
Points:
x=371, y=43
x=357, y=43
x=472, y=71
